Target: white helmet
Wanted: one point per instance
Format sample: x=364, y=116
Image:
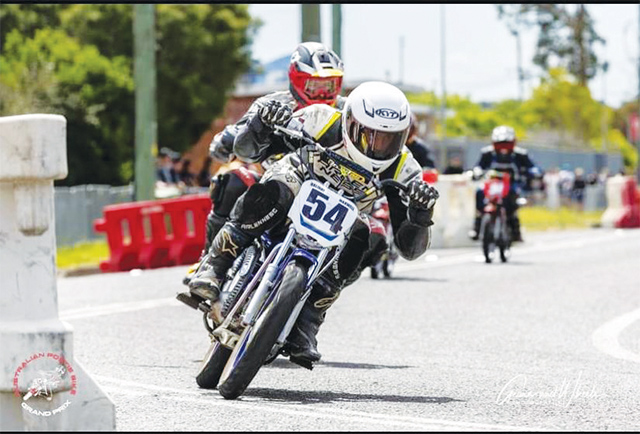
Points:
x=375, y=124
x=503, y=133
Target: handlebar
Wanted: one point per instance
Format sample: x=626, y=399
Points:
x=312, y=145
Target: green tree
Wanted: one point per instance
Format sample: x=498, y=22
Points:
x=87, y=75
x=202, y=50
x=54, y=73
x=566, y=38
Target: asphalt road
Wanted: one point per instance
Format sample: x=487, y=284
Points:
x=548, y=341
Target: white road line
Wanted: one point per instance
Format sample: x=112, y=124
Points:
x=250, y=403
x=109, y=309
x=115, y=308
x=605, y=338
x=516, y=251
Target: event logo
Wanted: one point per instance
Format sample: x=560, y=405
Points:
x=50, y=371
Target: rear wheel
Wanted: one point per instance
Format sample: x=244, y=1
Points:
x=505, y=243
x=257, y=341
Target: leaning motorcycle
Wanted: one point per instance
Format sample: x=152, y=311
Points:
x=266, y=287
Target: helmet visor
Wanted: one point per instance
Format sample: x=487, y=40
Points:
x=320, y=88
x=504, y=147
x=376, y=144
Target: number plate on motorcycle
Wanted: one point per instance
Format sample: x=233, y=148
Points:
x=496, y=188
x=322, y=214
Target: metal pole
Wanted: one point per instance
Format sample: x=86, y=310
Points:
x=520, y=73
x=337, y=28
x=311, y=23
x=443, y=103
x=144, y=75
x=401, y=72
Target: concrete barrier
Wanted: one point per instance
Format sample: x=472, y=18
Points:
x=42, y=386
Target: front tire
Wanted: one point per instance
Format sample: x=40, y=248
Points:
x=257, y=341
x=212, y=365
x=487, y=240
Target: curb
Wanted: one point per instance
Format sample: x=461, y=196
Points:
x=78, y=271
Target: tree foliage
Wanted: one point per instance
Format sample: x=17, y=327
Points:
x=53, y=73
x=84, y=70
x=566, y=38
x=559, y=105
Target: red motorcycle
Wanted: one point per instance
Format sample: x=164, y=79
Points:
x=494, y=230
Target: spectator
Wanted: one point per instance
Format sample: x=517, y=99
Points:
x=418, y=147
x=185, y=175
x=566, y=184
x=454, y=167
x=577, y=189
x=203, y=179
x=165, y=172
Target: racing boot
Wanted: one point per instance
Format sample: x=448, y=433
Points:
x=214, y=224
x=516, y=235
x=225, y=248
x=474, y=234
x=302, y=343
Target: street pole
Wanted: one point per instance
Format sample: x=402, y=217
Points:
x=443, y=106
x=401, y=72
x=520, y=73
x=144, y=75
x=310, y=23
x=337, y=28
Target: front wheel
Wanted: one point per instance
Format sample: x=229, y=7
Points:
x=488, y=244
x=212, y=365
x=257, y=341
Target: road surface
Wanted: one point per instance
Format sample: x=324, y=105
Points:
x=550, y=340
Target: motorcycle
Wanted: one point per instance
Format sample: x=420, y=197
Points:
x=266, y=287
x=494, y=230
x=385, y=265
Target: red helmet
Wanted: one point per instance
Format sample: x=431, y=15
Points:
x=315, y=74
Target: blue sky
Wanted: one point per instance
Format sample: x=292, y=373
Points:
x=480, y=52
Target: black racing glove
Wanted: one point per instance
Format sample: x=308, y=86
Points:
x=422, y=200
x=221, y=147
x=275, y=113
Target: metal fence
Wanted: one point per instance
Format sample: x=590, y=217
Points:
x=77, y=207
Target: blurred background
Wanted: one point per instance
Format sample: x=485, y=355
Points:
x=139, y=100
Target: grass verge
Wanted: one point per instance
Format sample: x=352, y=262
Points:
x=82, y=254
x=538, y=218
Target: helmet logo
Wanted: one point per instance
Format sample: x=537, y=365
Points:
x=387, y=113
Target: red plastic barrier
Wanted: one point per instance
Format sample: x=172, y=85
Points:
x=159, y=233
x=631, y=216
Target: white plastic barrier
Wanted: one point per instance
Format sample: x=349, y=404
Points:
x=615, y=207
x=454, y=212
x=42, y=386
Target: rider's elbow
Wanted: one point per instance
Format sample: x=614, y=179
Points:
x=412, y=240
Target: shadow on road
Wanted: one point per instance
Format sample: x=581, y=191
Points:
x=286, y=364
x=315, y=397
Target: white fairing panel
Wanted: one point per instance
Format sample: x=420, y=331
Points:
x=322, y=214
